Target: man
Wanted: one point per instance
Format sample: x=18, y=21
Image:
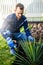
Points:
x=11, y=28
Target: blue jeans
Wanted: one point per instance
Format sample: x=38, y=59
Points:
x=16, y=36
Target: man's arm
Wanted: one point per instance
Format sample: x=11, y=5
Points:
x=26, y=27
x=28, y=33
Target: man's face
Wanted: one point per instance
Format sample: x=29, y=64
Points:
x=19, y=12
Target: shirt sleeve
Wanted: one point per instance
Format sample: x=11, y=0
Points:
x=26, y=27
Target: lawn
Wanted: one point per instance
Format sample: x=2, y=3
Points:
x=5, y=57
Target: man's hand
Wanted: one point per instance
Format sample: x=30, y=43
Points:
x=30, y=38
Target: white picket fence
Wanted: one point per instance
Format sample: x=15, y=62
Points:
x=33, y=8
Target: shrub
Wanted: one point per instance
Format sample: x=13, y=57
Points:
x=31, y=53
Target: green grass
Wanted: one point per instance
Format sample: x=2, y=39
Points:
x=5, y=57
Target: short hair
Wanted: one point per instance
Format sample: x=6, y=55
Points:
x=20, y=5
